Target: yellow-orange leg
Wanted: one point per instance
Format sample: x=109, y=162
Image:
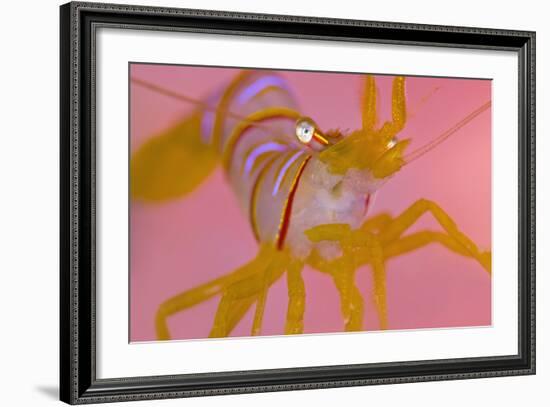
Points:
x=342, y=270
x=420, y=239
x=267, y=268
x=413, y=242
x=380, y=238
x=391, y=244
x=237, y=312
x=378, y=265
x=351, y=301
x=275, y=269
x=296, y=299
x=359, y=247
x=458, y=241
x=376, y=223
x=190, y=298
x=187, y=299
x=238, y=298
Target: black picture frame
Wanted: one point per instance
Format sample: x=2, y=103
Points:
x=78, y=382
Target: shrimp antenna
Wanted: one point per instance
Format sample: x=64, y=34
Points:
x=419, y=152
x=203, y=105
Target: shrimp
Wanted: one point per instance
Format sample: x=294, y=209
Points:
x=307, y=194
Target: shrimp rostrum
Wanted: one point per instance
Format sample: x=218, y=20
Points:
x=306, y=193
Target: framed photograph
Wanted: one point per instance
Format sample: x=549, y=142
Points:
x=255, y=203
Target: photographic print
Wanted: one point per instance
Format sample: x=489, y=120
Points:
x=255, y=202
x=274, y=202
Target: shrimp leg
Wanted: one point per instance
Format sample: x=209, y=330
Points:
x=227, y=285
x=351, y=300
x=272, y=273
x=239, y=295
x=342, y=270
x=234, y=307
x=296, y=299
x=380, y=238
x=458, y=241
x=188, y=299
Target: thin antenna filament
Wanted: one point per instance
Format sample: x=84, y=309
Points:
x=419, y=152
x=203, y=105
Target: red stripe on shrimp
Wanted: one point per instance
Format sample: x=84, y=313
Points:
x=285, y=219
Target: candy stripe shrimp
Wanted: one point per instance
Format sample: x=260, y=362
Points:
x=306, y=192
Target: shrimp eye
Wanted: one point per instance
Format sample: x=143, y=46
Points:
x=305, y=130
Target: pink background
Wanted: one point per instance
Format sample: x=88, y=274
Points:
x=180, y=244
